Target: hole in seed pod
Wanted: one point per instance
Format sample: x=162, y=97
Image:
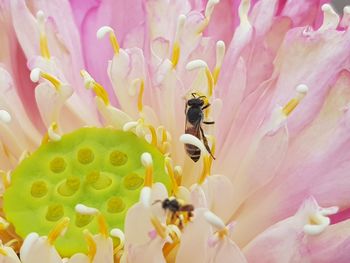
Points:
x=82, y=220
x=85, y=156
x=54, y=212
x=118, y=158
x=69, y=186
x=132, y=181
x=58, y=165
x=115, y=205
x=39, y=189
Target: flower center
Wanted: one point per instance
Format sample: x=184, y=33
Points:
x=99, y=168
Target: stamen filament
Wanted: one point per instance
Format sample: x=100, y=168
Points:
x=51, y=134
x=44, y=49
x=112, y=38
x=91, y=245
x=153, y=134
x=96, y=87
x=220, y=52
x=293, y=103
x=176, y=47
x=103, y=228
x=58, y=230
x=171, y=174
x=147, y=162
x=140, y=97
x=36, y=73
x=206, y=169
x=160, y=229
x=4, y=178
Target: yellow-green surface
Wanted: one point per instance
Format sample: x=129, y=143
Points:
x=96, y=167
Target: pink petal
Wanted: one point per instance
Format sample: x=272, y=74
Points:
x=149, y=253
x=227, y=251
x=194, y=240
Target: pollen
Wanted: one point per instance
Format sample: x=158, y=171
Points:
x=100, y=168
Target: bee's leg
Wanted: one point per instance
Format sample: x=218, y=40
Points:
x=205, y=141
x=206, y=106
x=157, y=201
x=208, y=122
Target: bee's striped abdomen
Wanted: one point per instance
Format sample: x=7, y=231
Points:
x=193, y=151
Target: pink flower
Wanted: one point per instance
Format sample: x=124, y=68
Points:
x=99, y=147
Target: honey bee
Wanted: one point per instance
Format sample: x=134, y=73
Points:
x=194, y=120
x=176, y=209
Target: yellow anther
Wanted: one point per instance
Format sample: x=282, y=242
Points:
x=290, y=106
x=58, y=230
x=206, y=169
x=178, y=175
x=149, y=176
x=96, y=87
x=210, y=80
x=216, y=73
x=92, y=248
x=3, y=251
x=170, y=171
x=114, y=43
x=140, y=97
x=101, y=92
x=102, y=225
x=153, y=135
x=5, y=179
x=159, y=227
x=54, y=81
x=220, y=53
x=175, y=54
x=44, y=48
x=293, y=103
x=54, y=128
x=112, y=38
x=222, y=233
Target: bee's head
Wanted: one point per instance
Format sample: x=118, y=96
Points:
x=195, y=102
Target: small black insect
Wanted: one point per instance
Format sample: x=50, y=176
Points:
x=194, y=119
x=175, y=207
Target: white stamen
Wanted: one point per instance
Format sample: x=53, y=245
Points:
x=146, y=159
x=129, y=125
x=116, y=232
x=103, y=31
x=319, y=220
x=190, y=139
x=195, y=64
x=5, y=117
x=35, y=74
x=322, y=223
x=85, y=210
x=40, y=18
x=145, y=196
x=54, y=136
x=214, y=220
x=302, y=88
x=88, y=80
x=243, y=12
x=210, y=8
x=329, y=211
x=345, y=22
x=180, y=25
x=330, y=18
x=220, y=53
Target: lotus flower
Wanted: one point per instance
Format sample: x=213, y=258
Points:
x=96, y=131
